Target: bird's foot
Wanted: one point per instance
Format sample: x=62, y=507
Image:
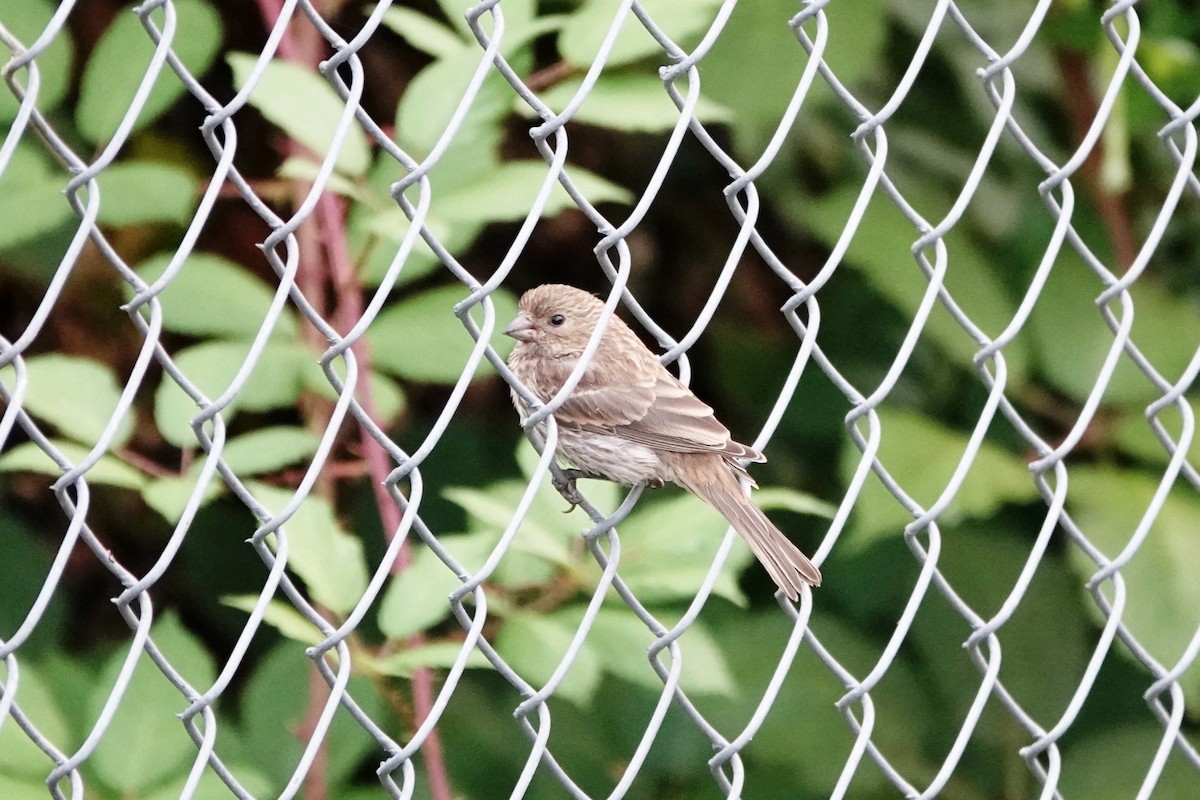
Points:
x=566, y=487
x=655, y=483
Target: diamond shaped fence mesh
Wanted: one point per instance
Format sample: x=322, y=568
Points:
x=263, y=529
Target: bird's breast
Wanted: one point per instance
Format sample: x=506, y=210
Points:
x=609, y=456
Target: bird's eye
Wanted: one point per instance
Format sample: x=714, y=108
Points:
x=557, y=319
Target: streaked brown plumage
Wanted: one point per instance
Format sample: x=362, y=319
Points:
x=630, y=420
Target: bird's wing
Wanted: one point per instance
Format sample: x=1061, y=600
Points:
x=657, y=411
x=606, y=406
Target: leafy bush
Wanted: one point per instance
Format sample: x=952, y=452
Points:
x=155, y=475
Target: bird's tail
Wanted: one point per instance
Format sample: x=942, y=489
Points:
x=787, y=566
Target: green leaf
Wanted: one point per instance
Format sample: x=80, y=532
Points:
x=305, y=106
x=31, y=197
x=814, y=753
x=279, y=377
x=420, y=339
x=667, y=547
x=1046, y=643
x=541, y=534
x=376, y=238
x=431, y=98
x=886, y=262
x=31, y=164
x=169, y=496
x=145, y=743
x=19, y=756
x=705, y=670
x=72, y=678
x=756, y=62
x=434, y=655
x=25, y=21
x=1107, y=503
x=429, y=102
x=533, y=645
x=28, y=558
x=508, y=192
x=1113, y=762
x=586, y=29
x=921, y=455
x=1071, y=339
x=269, y=449
x=621, y=643
x=281, y=616
x=56, y=382
x=303, y=168
x=276, y=699
x=388, y=399
x=139, y=192
x=628, y=102
x=416, y=599
x=423, y=32
x=1171, y=62
x=858, y=36
x=791, y=500
x=1132, y=434
x=120, y=59
x=377, y=226
x=32, y=210
x=547, y=541
x=22, y=789
x=212, y=296
x=320, y=550
x=517, y=17
x=109, y=470
x=211, y=787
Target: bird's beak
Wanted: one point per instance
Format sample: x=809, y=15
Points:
x=521, y=328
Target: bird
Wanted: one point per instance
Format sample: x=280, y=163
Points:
x=630, y=421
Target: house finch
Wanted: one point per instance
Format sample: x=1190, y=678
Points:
x=629, y=420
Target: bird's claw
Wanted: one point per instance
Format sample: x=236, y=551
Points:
x=566, y=487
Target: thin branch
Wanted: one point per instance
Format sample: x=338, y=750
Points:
x=1081, y=105
x=336, y=270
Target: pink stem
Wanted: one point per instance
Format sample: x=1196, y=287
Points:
x=331, y=218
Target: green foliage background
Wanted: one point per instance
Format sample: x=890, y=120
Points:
x=485, y=183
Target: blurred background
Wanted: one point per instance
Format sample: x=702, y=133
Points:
x=417, y=64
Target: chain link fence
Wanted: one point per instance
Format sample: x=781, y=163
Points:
x=1010, y=583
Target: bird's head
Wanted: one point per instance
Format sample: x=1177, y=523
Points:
x=556, y=319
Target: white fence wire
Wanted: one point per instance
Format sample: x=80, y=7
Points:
x=310, y=587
